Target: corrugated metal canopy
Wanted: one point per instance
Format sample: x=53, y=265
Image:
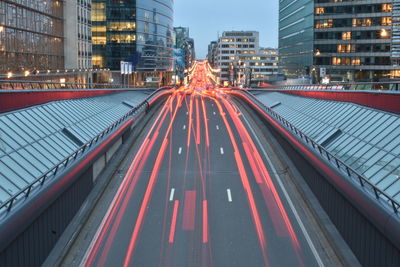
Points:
x=366, y=139
x=34, y=140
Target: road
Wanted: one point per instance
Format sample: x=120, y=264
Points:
x=200, y=192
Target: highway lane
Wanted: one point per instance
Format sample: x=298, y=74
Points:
x=200, y=193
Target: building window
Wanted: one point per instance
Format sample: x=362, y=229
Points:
x=320, y=10
x=345, y=48
x=387, y=7
x=386, y=21
x=384, y=34
x=98, y=61
x=324, y=23
x=346, y=35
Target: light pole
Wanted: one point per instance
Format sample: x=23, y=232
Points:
x=238, y=72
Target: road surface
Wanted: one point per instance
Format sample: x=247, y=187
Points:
x=200, y=192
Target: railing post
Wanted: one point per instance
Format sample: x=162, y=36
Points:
x=10, y=204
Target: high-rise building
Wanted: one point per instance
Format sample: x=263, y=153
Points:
x=138, y=31
x=31, y=36
x=296, y=20
x=353, y=41
x=241, y=60
x=212, y=52
x=186, y=44
x=340, y=40
x=46, y=40
x=78, y=36
x=232, y=45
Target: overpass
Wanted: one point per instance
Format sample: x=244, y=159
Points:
x=199, y=177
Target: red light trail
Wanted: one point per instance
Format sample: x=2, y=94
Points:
x=190, y=214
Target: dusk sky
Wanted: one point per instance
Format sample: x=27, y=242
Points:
x=206, y=18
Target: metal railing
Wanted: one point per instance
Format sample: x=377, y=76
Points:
x=339, y=164
x=37, y=85
x=380, y=86
x=25, y=192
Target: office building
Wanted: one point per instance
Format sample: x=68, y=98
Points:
x=78, y=36
x=138, y=31
x=232, y=45
x=353, y=41
x=340, y=40
x=47, y=40
x=186, y=48
x=212, y=52
x=241, y=60
x=296, y=21
x=31, y=36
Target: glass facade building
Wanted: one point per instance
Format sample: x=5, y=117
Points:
x=353, y=40
x=31, y=35
x=296, y=34
x=342, y=40
x=136, y=31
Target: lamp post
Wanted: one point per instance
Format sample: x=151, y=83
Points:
x=238, y=72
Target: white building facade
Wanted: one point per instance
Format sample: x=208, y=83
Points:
x=241, y=60
x=78, y=35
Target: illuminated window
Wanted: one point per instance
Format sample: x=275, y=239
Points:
x=122, y=38
x=99, y=40
x=324, y=23
x=387, y=7
x=99, y=29
x=346, y=35
x=98, y=12
x=365, y=22
x=122, y=26
x=320, y=10
x=98, y=61
x=355, y=61
x=386, y=21
x=384, y=34
x=345, y=48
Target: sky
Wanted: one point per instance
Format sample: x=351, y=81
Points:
x=207, y=18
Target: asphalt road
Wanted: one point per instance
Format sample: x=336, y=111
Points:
x=200, y=192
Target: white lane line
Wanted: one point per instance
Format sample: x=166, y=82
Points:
x=221, y=149
x=171, y=196
x=228, y=191
x=214, y=113
x=289, y=200
x=217, y=127
x=180, y=150
x=184, y=127
x=187, y=113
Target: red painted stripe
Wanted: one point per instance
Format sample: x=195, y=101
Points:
x=173, y=222
x=379, y=100
x=205, y=222
x=189, y=210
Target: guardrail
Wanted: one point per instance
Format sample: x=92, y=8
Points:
x=381, y=86
x=347, y=170
x=36, y=85
x=25, y=192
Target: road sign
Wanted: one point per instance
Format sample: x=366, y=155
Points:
x=322, y=72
